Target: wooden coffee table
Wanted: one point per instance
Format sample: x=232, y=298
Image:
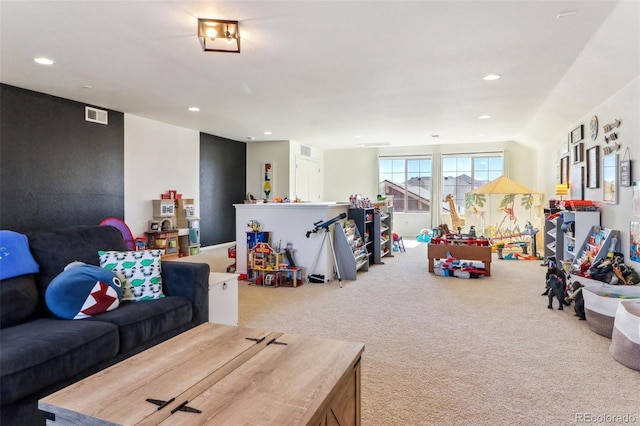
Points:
x=232, y=375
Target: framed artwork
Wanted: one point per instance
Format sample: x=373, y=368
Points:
x=634, y=244
x=577, y=153
x=610, y=179
x=564, y=169
x=577, y=134
x=625, y=173
x=593, y=167
x=564, y=148
x=576, y=187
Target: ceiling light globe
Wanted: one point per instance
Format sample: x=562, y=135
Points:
x=211, y=33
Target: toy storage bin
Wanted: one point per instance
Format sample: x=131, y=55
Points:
x=601, y=303
x=625, y=339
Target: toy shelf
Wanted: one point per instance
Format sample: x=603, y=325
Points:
x=594, y=248
x=578, y=225
x=351, y=251
x=553, y=239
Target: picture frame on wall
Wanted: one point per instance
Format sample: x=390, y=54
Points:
x=625, y=173
x=593, y=167
x=577, y=134
x=564, y=148
x=577, y=153
x=564, y=170
x=634, y=242
x=610, y=179
x=576, y=188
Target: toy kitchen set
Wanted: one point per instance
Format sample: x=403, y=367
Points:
x=174, y=227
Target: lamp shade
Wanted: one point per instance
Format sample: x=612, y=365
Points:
x=562, y=189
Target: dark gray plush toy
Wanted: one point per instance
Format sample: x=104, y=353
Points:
x=556, y=289
x=578, y=299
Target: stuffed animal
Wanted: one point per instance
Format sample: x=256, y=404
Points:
x=556, y=289
x=556, y=284
x=82, y=291
x=578, y=299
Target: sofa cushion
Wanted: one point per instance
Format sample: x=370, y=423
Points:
x=139, y=322
x=53, y=250
x=45, y=351
x=18, y=300
x=139, y=271
x=82, y=291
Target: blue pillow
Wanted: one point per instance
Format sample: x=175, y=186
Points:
x=15, y=257
x=82, y=291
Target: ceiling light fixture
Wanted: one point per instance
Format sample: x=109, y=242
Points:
x=44, y=61
x=566, y=14
x=267, y=133
x=484, y=117
x=217, y=35
x=194, y=109
x=492, y=77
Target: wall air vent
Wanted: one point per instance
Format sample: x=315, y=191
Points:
x=96, y=115
x=305, y=150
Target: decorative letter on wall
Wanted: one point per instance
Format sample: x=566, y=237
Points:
x=267, y=179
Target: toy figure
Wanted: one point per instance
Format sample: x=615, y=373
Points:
x=577, y=297
x=556, y=283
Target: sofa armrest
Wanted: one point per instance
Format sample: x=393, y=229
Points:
x=190, y=280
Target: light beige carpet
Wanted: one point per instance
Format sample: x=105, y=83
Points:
x=449, y=351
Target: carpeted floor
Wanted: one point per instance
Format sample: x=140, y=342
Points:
x=449, y=351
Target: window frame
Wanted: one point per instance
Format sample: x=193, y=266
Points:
x=406, y=159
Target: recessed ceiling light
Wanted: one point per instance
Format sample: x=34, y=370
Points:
x=194, y=109
x=491, y=77
x=484, y=117
x=435, y=136
x=44, y=61
x=86, y=86
x=566, y=13
x=267, y=132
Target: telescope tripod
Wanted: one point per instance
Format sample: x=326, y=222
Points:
x=333, y=254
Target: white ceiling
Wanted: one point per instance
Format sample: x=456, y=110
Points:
x=319, y=73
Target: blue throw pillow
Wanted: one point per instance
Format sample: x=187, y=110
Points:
x=82, y=291
x=15, y=257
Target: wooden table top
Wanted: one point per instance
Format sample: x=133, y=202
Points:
x=281, y=379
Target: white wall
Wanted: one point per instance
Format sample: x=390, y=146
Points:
x=157, y=157
x=625, y=106
x=276, y=152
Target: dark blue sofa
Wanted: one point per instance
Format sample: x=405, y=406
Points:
x=40, y=354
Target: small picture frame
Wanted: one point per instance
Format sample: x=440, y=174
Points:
x=577, y=134
x=564, y=169
x=593, y=167
x=577, y=153
x=625, y=173
x=610, y=179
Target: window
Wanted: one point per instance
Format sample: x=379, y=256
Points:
x=408, y=179
x=463, y=173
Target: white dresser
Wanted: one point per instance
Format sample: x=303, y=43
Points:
x=223, y=298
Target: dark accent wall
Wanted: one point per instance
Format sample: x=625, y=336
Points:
x=223, y=172
x=56, y=169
